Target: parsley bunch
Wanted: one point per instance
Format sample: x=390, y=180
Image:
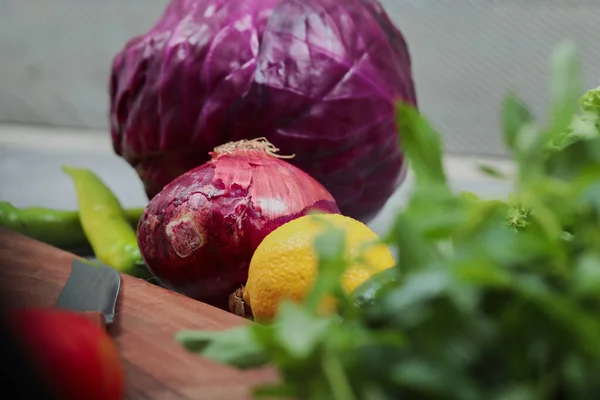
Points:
x=496, y=300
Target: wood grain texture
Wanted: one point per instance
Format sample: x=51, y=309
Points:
x=147, y=317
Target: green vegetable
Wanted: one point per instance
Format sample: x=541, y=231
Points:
x=498, y=300
x=59, y=228
x=590, y=103
x=105, y=223
x=375, y=287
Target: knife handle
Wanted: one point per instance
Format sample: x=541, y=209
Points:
x=96, y=317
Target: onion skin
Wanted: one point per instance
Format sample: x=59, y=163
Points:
x=198, y=234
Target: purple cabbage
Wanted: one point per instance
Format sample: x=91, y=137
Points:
x=317, y=78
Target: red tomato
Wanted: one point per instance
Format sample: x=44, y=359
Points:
x=78, y=359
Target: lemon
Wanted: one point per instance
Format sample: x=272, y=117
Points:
x=285, y=263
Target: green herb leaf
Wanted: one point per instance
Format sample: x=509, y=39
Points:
x=336, y=377
x=278, y=391
x=565, y=86
x=521, y=392
x=422, y=145
x=415, y=250
x=236, y=346
x=330, y=248
x=514, y=116
x=590, y=101
x=492, y=171
x=432, y=378
x=298, y=331
x=586, y=275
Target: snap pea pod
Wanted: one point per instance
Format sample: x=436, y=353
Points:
x=103, y=220
x=60, y=228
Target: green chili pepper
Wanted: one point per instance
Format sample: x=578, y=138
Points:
x=59, y=228
x=104, y=222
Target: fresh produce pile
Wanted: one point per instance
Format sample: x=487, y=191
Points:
x=491, y=299
x=240, y=116
x=317, y=78
x=199, y=234
x=267, y=133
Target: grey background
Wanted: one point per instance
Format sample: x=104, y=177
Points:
x=55, y=57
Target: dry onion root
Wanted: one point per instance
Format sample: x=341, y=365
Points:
x=238, y=306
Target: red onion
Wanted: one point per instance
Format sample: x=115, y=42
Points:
x=198, y=234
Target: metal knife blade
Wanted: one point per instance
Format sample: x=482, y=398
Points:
x=92, y=287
